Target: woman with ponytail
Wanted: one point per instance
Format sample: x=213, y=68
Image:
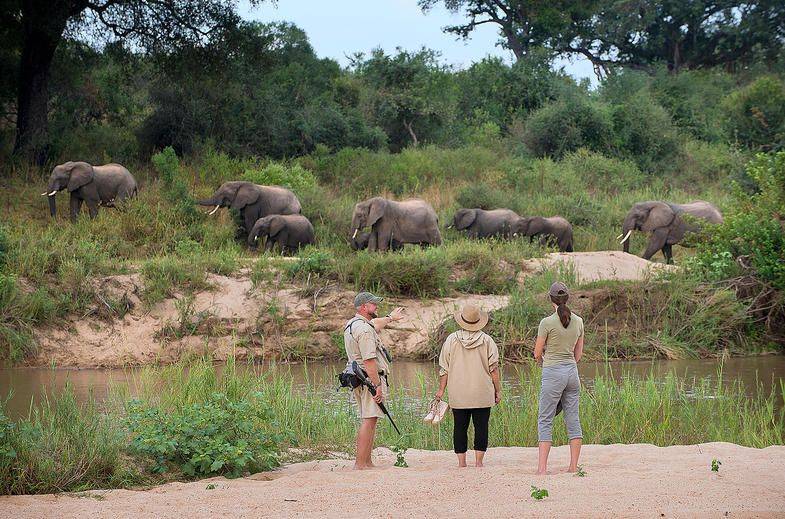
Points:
x=558, y=348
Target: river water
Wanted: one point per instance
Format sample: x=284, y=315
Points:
x=21, y=387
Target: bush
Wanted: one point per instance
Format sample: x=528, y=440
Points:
x=175, y=188
x=755, y=115
x=566, y=125
x=413, y=272
x=643, y=132
x=215, y=436
x=314, y=262
x=754, y=229
x=294, y=177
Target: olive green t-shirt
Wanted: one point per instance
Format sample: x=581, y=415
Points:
x=559, y=341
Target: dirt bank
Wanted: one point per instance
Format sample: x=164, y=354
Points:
x=265, y=321
x=620, y=481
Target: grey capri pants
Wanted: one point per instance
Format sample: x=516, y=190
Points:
x=559, y=382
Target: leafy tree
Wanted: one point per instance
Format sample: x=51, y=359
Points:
x=755, y=114
x=42, y=25
x=632, y=33
x=413, y=96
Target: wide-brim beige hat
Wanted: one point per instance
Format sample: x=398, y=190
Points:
x=471, y=318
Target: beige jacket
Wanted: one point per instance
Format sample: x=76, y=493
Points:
x=468, y=358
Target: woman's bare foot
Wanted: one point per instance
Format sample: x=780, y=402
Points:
x=479, y=465
x=462, y=465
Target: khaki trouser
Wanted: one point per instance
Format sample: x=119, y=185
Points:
x=366, y=407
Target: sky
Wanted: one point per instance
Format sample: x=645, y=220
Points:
x=339, y=28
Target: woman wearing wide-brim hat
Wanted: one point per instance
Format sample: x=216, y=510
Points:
x=469, y=371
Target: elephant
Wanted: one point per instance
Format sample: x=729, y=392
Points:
x=479, y=223
x=665, y=223
x=409, y=221
x=253, y=201
x=360, y=242
x=96, y=185
x=289, y=231
x=552, y=230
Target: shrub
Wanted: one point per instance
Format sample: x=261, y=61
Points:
x=413, y=272
x=313, y=262
x=294, y=177
x=643, y=132
x=215, y=436
x=566, y=125
x=754, y=228
x=755, y=115
x=175, y=188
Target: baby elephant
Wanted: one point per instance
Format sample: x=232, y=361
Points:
x=289, y=231
x=554, y=230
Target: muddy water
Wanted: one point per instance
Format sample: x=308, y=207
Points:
x=21, y=386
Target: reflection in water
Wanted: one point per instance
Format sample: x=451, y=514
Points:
x=26, y=385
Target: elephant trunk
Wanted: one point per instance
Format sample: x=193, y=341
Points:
x=207, y=201
x=52, y=206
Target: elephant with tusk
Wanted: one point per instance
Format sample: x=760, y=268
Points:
x=666, y=224
x=93, y=185
x=253, y=202
x=395, y=223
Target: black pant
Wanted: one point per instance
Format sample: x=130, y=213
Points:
x=460, y=433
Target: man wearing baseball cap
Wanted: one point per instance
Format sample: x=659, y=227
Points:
x=363, y=344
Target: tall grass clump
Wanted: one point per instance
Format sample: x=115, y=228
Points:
x=63, y=446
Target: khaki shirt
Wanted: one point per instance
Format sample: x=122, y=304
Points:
x=468, y=358
x=559, y=341
x=362, y=342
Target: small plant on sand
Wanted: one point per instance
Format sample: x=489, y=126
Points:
x=580, y=472
x=400, y=449
x=539, y=493
x=211, y=486
x=715, y=465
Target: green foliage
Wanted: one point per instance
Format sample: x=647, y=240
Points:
x=755, y=115
x=294, y=177
x=580, y=473
x=539, y=493
x=63, y=446
x=174, y=187
x=753, y=230
x=400, y=449
x=216, y=436
x=312, y=262
x=410, y=273
x=566, y=125
x=715, y=465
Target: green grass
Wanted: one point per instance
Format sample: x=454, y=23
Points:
x=67, y=446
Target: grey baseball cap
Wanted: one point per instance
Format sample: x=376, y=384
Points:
x=558, y=289
x=365, y=297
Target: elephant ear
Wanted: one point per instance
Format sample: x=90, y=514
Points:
x=82, y=173
x=660, y=215
x=246, y=194
x=276, y=226
x=464, y=218
x=376, y=211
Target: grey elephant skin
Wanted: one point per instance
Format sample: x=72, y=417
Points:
x=666, y=224
x=553, y=230
x=253, y=201
x=408, y=221
x=479, y=223
x=360, y=242
x=96, y=186
x=288, y=231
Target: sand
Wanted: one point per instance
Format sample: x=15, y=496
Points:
x=601, y=265
x=621, y=481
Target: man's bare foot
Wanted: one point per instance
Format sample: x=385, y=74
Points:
x=541, y=472
x=462, y=465
x=479, y=465
x=572, y=469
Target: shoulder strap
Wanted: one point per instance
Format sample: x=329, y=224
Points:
x=351, y=323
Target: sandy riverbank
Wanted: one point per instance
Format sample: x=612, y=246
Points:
x=620, y=481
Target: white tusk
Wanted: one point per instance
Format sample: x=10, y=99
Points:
x=515, y=234
x=355, y=233
x=256, y=238
x=53, y=193
x=619, y=236
x=214, y=210
x=44, y=194
x=627, y=236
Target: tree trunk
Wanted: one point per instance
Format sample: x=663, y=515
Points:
x=43, y=24
x=413, y=135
